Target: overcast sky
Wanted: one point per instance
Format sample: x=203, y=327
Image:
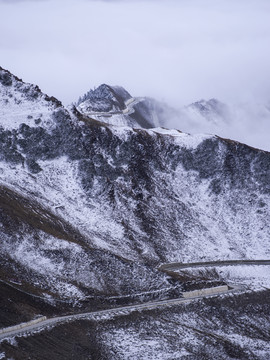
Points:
x=176, y=50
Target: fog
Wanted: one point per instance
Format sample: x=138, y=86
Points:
x=178, y=51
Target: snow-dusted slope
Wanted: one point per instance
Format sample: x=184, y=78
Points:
x=143, y=196
x=24, y=103
x=88, y=210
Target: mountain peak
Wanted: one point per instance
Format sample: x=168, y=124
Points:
x=105, y=98
x=22, y=102
x=208, y=105
x=211, y=109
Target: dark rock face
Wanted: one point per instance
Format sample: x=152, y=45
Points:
x=143, y=115
x=5, y=78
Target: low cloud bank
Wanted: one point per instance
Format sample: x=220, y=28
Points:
x=248, y=123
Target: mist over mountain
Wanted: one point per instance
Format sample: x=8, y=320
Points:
x=96, y=196
x=244, y=122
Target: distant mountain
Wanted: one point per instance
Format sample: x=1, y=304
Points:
x=212, y=110
x=115, y=106
x=247, y=122
x=104, y=99
x=89, y=210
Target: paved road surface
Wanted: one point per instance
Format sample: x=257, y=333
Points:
x=179, y=266
x=127, y=111
x=97, y=315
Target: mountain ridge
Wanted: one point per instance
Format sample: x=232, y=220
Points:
x=133, y=198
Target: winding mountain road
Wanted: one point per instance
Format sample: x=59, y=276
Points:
x=26, y=329
x=129, y=109
x=179, y=266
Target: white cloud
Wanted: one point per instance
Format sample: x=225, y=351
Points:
x=176, y=50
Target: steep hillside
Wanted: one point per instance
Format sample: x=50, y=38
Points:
x=145, y=195
x=89, y=210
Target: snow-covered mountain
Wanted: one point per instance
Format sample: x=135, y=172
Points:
x=90, y=209
x=114, y=105
x=212, y=110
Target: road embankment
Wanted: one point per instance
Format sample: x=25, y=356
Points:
x=21, y=326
